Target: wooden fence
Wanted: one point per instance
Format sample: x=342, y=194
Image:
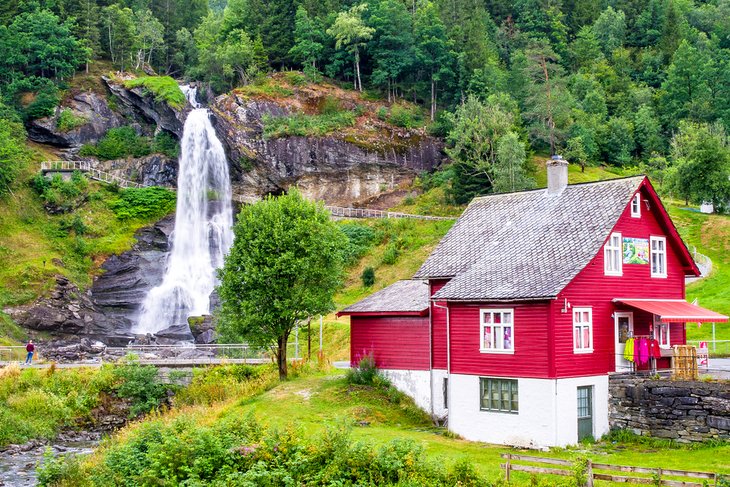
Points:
x=655, y=476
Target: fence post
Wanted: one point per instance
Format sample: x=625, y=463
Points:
x=589, y=473
x=507, y=466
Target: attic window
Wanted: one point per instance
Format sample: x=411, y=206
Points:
x=636, y=206
x=612, y=258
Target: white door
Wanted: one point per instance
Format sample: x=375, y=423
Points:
x=624, y=329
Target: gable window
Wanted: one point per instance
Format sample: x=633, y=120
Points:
x=497, y=331
x=612, y=258
x=636, y=206
x=658, y=257
x=499, y=395
x=582, y=330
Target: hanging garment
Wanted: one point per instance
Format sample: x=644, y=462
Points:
x=643, y=351
x=654, y=349
x=629, y=350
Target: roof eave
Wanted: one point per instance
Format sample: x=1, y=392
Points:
x=422, y=312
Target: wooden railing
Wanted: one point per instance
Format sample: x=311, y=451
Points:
x=655, y=476
x=343, y=212
x=105, y=177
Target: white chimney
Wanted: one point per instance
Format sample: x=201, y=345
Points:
x=557, y=175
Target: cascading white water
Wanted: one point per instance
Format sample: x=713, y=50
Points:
x=203, y=228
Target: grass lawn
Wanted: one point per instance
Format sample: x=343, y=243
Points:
x=311, y=403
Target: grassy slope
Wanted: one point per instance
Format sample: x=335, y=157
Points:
x=313, y=402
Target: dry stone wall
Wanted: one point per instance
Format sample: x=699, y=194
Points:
x=684, y=411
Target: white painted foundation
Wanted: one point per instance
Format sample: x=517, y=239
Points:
x=413, y=383
x=547, y=412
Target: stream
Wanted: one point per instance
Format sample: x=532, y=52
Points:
x=18, y=462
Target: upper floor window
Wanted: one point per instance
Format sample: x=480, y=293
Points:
x=497, y=330
x=658, y=256
x=582, y=330
x=612, y=256
x=636, y=206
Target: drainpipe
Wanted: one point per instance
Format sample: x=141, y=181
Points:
x=448, y=356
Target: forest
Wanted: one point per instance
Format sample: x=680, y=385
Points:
x=624, y=83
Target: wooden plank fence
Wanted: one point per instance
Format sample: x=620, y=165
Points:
x=657, y=476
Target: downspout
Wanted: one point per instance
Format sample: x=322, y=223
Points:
x=448, y=356
x=430, y=348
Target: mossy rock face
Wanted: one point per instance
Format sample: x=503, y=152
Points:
x=195, y=321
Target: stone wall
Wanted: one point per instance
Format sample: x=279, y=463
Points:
x=684, y=411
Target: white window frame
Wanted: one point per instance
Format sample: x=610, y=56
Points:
x=497, y=346
x=661, y=255
x=580, y=326
x=636, y=206
x=617, y=248
x=662, y=331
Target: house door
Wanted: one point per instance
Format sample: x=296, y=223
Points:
x=624, y=328
x=585, y=412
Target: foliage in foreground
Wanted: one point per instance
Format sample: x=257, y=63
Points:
x=235, y=452
x=149, y=203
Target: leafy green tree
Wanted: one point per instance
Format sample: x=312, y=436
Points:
x=700, y=158
x=647, y=132
x=12, y=153
x=284, y=267
x=149, y=37
x=687, y=93
x=585, y=49
x=610, y=30
x=118, y=34
x=392, y=44
x=575, y=151
x=618, y=141
x=672, y=30
x=433, y=49
x=308, y=40
x=510, y=173
x=86, y=13
x=351, y=34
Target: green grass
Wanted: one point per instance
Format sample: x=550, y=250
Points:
x=307, y=125
x=163, y=88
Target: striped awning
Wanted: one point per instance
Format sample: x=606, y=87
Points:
x=674, y=310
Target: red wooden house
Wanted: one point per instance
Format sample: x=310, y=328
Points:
x=530, y=301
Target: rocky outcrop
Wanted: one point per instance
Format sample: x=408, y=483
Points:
x=144, y=106
x=89, y=106
x=341, y=167
x=118, y=293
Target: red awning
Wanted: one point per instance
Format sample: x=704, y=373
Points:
x=674, y=310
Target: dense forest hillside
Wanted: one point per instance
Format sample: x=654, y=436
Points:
x=620, y=82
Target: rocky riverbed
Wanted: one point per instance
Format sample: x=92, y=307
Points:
x=18, y=463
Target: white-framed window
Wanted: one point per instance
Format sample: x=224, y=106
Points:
x=582, y=330
x=497, y=331
x=612, y=255
x=661, y=333
x=636, y=206
x=658, y=256
x=499, y=395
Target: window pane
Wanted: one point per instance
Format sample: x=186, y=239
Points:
x=576, y=333
x=488, y=337
x=586, y=337
x=508, y=338
x=498, y=317
x=507, y=317
x=487, y=317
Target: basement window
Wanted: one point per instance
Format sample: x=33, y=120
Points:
x=636, y=206
x=498, y=395
x=612, y=255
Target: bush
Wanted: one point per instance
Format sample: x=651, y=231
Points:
x=121, y=142
x=382, y=113
x=44, y=104
x=60, y=196
x=141, y=384
x=365, y=372
x=163, y=88
x=68, y=120
x=406, y=117
x=166, y=144
x=361, y=238
x=390, y=256
x=306, y=125
x=12, y=152
x=368, y=276
x=146, y=203
x=330, y=105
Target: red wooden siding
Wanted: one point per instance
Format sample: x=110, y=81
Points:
x=395, y=342
x=592, y=288
x=438, y=328
x=531, y=355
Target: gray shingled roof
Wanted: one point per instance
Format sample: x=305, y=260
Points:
x=526, y=245
x=408, y=296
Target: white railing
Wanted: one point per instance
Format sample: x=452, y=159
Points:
x=337, y=211
x=103, y=176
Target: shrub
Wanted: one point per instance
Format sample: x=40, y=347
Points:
x=306, y=125
x=118, y=143
x=53, y=469
x=365, y=372
x=165, y=143
x=141, y=384
x=382, y=113
x=330, y=105
x=390, y=256
x=295, y=78
x=60, y=196
x=361, y=238
x=75, y=225
x=12, y=152
x=163, y=88
x=43, y=105
x=406, y=117
x=68, y=120
x=368, y=276
x=146, y=203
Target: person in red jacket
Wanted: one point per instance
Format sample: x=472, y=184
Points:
x=30, y=348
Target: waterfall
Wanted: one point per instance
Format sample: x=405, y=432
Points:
x=203, y=228
x=191, y=93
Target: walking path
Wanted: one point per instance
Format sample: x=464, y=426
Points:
x=65, y=167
